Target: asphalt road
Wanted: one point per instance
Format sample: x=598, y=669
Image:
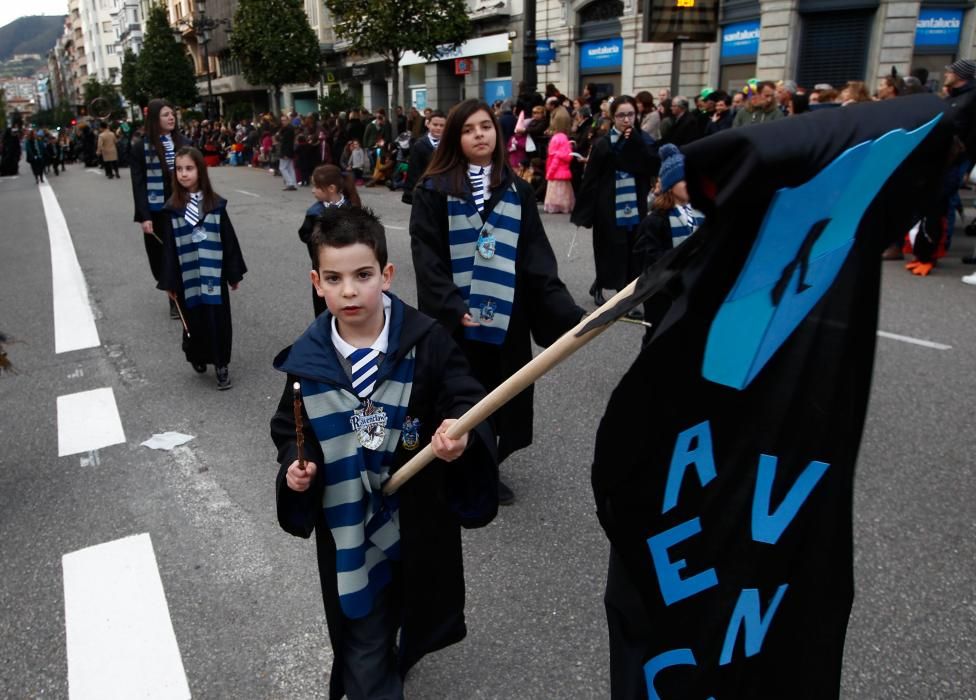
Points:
x=243, y=596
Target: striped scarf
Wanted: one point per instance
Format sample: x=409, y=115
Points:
x=684, y=220
x=155, y=190
x=201, y=258
x=625, y=192
x=364, y=524
x=483, y=262
x=169, y=149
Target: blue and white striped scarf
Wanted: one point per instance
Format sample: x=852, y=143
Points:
x=364, y=523
x=487, y=285
x=201, y=262
x=684, y=220
x=625, y=192
x=155, y=187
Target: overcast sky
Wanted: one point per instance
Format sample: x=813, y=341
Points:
x=11, y=10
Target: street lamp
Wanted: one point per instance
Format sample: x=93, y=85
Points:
x=202, y=27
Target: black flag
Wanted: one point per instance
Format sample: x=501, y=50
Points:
x=724, y=463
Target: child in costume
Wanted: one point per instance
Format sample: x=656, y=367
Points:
x=484, y=265
x=379, y=380
x=331, y=188
x=201, y=260
x=671, y=220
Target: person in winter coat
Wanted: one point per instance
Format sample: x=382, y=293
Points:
x=559, y=176
x=34, y=154
x=108, y=150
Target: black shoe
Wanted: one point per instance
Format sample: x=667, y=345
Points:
x=506, y=496
x=173, y=311
x=199, y=368
x=223, y=378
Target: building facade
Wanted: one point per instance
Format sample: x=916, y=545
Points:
x=599, y=41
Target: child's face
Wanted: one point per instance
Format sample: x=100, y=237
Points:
x=436, y=126
x=680, y=192
x=186, y=173
x=329, y=193
x=478, y=138
x=352, y=284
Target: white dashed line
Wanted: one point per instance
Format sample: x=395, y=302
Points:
x=88, y=421
x=74, y=322
x=914, y=341
x=249, y=194
x=120, y=639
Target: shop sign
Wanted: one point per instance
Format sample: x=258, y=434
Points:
x=938, y=27
x=462, y=66
x=604, y=54
x=740, y=40
x=545, y=52
x=497, y=89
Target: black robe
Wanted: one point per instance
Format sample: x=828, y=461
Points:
x=211, y=333
x=434, y=504
x=542, y=306
x=420, y=154
x=10, y=158
x=613, y=255
x=140, y=199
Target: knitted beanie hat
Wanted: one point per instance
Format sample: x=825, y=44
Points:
x=672, y=166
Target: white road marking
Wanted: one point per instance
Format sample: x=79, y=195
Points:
x=9, y=177
x=87, y=421
x=396, y=228
x=249, y=194
x=120, y=639
x=74, y=322
x=95, y=170
x=914, y=341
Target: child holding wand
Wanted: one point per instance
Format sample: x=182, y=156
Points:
x=379, y=380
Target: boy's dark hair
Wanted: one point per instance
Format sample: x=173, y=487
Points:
x=438, y=113
x=339, y=227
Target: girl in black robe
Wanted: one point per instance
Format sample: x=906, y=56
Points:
x=201, y=260
x=626, y=150
x=541, y=308
x=154, y=153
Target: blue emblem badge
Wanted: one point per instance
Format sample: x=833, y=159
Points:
x=410, y=434
x=486, y=246
x=488, y=311
x=801, y=247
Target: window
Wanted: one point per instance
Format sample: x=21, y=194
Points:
x=106, y=26
x=834, y=47
x=110, y=49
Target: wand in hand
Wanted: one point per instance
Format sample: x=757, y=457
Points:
x=296, y=391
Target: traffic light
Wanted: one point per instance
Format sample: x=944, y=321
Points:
x=679, y=20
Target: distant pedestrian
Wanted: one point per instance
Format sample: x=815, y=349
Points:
x=421, y=152
x=34, y=153
x=286, y=153
x=201, y=261
x=108, y=150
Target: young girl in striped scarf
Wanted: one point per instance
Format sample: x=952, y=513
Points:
x=484, y=265
x=201, y=260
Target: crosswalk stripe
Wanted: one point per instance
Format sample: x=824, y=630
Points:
x=74, y=321
x=120, y=639
x=88, y=421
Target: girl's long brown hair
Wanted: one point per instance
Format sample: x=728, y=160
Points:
x=449, y=160
x=180, y=194
x=326, y=175
x=153, y=133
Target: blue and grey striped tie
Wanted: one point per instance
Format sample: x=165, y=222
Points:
x=364, y=367
x=192, y=211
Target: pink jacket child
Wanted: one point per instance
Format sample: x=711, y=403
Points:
x=559, y=158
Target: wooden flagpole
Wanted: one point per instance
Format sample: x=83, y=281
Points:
x=565, y=346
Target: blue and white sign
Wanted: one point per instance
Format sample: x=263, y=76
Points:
x=938, y=28
x=604, y=54
x=497, y=89
x=545, y=52
x=740, y=40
